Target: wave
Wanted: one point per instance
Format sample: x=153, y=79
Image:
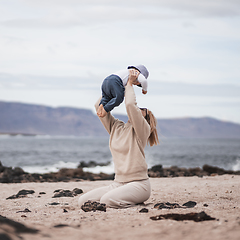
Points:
x=109, y=169
x=49, y=168
x=236, y=166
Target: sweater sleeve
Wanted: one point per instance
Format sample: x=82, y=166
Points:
x=107, y=121
x=139, y=123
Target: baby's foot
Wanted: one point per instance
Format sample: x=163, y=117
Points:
x=104, y=113
x=101, y=111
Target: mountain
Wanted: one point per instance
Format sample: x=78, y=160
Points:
x=20, y=118
x=38, y=119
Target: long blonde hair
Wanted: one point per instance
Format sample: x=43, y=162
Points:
x=152, y=121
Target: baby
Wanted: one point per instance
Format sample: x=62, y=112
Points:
x=113, y=88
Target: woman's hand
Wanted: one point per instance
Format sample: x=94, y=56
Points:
x=133, y=75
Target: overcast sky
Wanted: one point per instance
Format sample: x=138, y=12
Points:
x=57, y=53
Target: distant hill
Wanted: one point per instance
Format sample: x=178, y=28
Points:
x=20, y=118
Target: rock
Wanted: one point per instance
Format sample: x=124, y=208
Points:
x=21, y=194
x=4, y=236
x=77, y=191
x=63, y=193
x=144, y=210
x=67, y=193
x=167, y=205
x=25, y=210
x=190, y=204
x=90, y=164
x=93, y=206
x=219, y=171
x=57, y=190
x=64, y=210
x=54, y=203
x=157, y=168
x=61, y=225
x=18, y=227
x=42, y=193
x=196, y=217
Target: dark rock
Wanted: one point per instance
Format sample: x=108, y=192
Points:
x=63, y=193
x=1, y=167
x=167, y=205
x=205, y=205
x=93, y=206
x=64, y=210
x=196, y=217
x=144, y=210
x=18, y=227
x=190, y=204
x=58, y=190
x=54, y=203
x=25, y=210
x=21, y=194
x=67, y=193
x=90, y=164
x=17, y=171
x=61, y=225
x=42, y=193
x=77, y=191
x=157, y=168
x=174, y=171
x=4, y=236
x=216, y=170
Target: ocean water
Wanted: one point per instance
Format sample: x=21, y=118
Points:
x=42, y=154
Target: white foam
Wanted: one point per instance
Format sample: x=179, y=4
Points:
x=236, y=166
x=109, y=169
x=50, y=168
x=55, y=168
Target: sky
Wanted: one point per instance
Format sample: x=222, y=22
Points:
x=57, y=53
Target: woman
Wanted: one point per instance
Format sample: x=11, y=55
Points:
x=127, y=142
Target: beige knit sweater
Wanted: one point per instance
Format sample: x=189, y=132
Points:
x=128, y=140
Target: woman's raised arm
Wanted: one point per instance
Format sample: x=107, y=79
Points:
x=108, y=120
x=135, y=116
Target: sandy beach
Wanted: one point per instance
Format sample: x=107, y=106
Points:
x=217, y=196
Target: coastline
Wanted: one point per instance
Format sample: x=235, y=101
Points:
x=18, y=175
x=217, y=196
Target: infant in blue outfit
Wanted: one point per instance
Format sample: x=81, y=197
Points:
x=113, y=88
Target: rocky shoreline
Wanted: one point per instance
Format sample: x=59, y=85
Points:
x=18, y=175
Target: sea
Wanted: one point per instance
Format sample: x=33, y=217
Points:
x=43, y=154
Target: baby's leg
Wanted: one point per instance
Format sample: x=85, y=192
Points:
x=117, y=91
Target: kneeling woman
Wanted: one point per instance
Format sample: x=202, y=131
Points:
x=127, y=142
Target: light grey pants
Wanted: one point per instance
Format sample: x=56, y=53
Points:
x=119, y=195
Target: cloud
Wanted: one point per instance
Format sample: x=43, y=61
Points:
x=92, y=83
x=31, y=82
x=65, y=14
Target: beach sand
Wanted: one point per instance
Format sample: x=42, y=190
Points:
x=217, y=196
